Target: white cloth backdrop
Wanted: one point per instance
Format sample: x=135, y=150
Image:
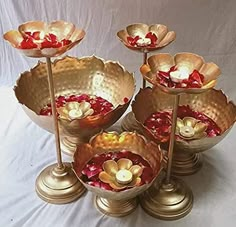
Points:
x=205, y=27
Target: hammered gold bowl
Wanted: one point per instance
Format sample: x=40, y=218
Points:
x=185, y=61
x=105, y=142
x=213, y=103
x=74, y=76
x=62, y=30
x=164, y=36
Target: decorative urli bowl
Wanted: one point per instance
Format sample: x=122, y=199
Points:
x=213, y=103
x=40, y=39
x=162, y=36
x=187, y=62
x=106, y=142
x=73, y=76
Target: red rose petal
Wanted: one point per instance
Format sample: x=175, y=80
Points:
x=46, y=111
x=159, y=123
x=163, y=74
x=133, y=41
x=195, y=79
x=105, y=186
x=136, y=159
x=126, y=100
x=195, y=76
x=94, y=183
x=98, y=104
x=173, y=68
x=28, y=44
x=61, y=99
x=50, y=41
x=90, y=173
x=147, y=175
x=83, y=97
x=27, y=34
x=36, y=35
x=52, y=37
x=46, y=44
x=152, y=36
x=66, y=42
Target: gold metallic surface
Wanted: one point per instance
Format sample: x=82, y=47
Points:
x=79, y=110
x=90, y=75
x=161, y=31
x=190, y=128
x=185, y=163
x=112, y=141
x=172, y=138
x=188, y=61
x=168, y=201
x=130, y=124
x=62, y=29
x=116, y=208
x=212, y=103
x=58, y=185
x=111, y=169
x=69, y=144
x=54, y=112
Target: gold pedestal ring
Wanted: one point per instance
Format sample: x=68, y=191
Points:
x=69, y=144
x=129, y=123
x=168, y=201
x=58, y=185
x=185, y=163
x=116, y=208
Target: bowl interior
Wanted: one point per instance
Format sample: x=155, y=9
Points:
x=75, y=76
x=107, y=142
x=212, y=103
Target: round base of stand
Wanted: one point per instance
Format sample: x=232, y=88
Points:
x=116, y=208
x=58, y=185
x=168, y=201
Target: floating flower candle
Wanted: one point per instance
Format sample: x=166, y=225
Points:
x=124, y=176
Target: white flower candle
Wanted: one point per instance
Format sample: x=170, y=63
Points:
x=179, y=75
x=187, y=131
x=75, y=114
x=124, y=176
x=143, y=41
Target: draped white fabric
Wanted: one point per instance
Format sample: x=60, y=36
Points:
x=203, y=27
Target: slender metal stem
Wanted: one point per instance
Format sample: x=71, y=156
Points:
x=172, y=139
x=54, y=112
x=144, y=62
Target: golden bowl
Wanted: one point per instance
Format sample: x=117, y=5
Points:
x=74, y=76
x=186, y=62
x=164, y=37
x=105, y=142
x=38, y=30
x=213, y=103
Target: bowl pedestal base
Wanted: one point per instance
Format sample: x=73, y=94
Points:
x=58, y=185
x=130, y=124
x=168, y=201
x=116, y=208
x=185, y=163
x=69, y=144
